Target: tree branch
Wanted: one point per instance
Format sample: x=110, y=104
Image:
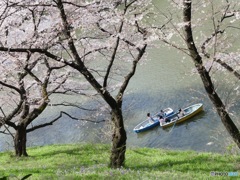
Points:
x=229, y=68
x=57, y=118
x=112, y=57
x=2, y=122
x=203, y=47
x=73, y=105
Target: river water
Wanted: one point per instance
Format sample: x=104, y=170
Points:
x=168, y=82
x=165, y=80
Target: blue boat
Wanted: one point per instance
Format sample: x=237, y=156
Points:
x=146, y=125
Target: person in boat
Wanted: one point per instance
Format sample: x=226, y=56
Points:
x=149, y=118
x=167, y=120
x=181, y=113
x=162, y=113
x=161, y=119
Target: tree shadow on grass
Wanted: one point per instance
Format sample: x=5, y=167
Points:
x=193, y=162
x=77, y=151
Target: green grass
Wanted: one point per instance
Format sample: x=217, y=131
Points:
x=90, y=161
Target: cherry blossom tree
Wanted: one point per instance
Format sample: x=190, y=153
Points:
x=204, y=73
x=209, y=30
x=103, y=41
x=25, y=94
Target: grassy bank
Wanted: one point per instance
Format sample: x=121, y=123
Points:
x=90, y=161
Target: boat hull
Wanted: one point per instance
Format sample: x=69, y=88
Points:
x=145, y=125
x=190, y=112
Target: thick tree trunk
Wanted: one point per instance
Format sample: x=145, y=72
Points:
x=20, y=141
x=118, y=140
x=206, y=79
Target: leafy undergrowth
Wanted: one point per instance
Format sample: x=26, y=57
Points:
x=90, y=161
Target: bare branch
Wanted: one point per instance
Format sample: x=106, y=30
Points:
x=73, y=105
x=80, y=119
x=112, y=57
x=57, y=118
x=203, y=47
x=42, y=125
x=229, y=68
x=10, y=87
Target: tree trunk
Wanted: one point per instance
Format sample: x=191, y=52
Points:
x=220, y=107
x=118, y=140
x=206, y=79
x=20, y=141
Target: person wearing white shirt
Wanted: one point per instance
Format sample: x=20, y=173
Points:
x=149, y=118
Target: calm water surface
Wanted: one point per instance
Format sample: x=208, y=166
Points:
x=165, y=81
